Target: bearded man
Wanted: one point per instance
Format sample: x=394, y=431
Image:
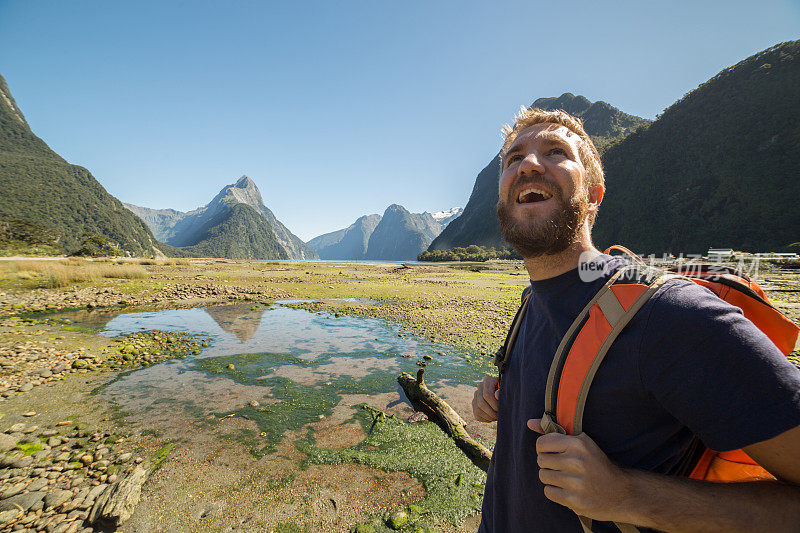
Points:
x=688, y=370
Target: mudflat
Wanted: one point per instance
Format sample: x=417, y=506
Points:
x=217, y=395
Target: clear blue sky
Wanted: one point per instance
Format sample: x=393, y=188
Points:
x=338, y=109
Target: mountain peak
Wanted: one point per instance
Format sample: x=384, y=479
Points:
x=395, y=208
x=244, y=191
x=245, y=183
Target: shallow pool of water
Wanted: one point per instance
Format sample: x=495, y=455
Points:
x=277, y=367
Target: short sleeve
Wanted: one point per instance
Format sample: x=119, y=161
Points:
x=715, y=371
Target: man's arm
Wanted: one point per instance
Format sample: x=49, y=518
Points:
x=578, y=475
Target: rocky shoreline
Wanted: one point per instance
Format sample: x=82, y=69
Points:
x=48, y=300
x=65, y=479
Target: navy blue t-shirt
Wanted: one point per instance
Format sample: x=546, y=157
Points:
x=688, y=364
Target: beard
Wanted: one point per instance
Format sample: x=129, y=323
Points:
x=547, y=237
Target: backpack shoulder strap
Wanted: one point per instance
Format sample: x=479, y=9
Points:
x=501, y=356
x=587, y=341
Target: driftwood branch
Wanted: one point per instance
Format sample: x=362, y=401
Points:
x=437, y=410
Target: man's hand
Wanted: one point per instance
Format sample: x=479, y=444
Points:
x=578, y=475
x=484, y=403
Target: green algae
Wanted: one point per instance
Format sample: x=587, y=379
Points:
x=29, y=448
x=293, y=405
x=162, y=454
x=297, y=404
x=453, y=485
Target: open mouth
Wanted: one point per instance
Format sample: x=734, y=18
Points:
x=532, y=195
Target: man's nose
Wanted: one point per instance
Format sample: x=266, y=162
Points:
x=531, y=164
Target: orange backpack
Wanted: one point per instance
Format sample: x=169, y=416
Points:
x=591, y=334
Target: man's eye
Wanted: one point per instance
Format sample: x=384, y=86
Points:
x=558, y=151
x=512, y=159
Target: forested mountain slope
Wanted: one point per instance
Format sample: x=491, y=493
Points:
x=38, y=186
x=719, y=168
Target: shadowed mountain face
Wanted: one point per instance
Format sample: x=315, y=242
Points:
x=348, y=243
x=353, y=242
x=38, y=186
x=235, y=224
x=478, y=223
x=401, y=235
x=239, y=320
x=719, y=168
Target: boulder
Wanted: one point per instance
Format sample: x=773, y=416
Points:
x=117, y=503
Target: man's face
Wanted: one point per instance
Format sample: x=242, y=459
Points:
x=543, y=200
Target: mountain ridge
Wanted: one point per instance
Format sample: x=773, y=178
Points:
x=348, y=243
x=200, y=231
x=38, y=186
x=352, y=242
x=401, y=235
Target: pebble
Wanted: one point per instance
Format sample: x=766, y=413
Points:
x=7, y=442
x=56, y=498
x=36, y=485
x=63, y=456
x=10, y=515
x=29, y=413
x=65, y=423
x=15, y=489
x=25, y=501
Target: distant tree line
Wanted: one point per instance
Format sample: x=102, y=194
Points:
x=470, y=253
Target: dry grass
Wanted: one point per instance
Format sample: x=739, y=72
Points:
x=56, y=274
x=164, y=262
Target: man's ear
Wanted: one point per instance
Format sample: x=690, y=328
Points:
x=595, y=196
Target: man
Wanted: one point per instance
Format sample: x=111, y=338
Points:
x=687, y=368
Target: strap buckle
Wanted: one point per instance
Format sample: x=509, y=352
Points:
x=549, y=424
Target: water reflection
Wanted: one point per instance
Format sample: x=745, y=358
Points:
x=236, y=320
x=302, y=362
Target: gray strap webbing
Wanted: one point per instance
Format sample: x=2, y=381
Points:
x=611, y=307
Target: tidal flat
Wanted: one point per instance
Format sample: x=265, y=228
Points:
x=260, y=396
x=257, y=395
